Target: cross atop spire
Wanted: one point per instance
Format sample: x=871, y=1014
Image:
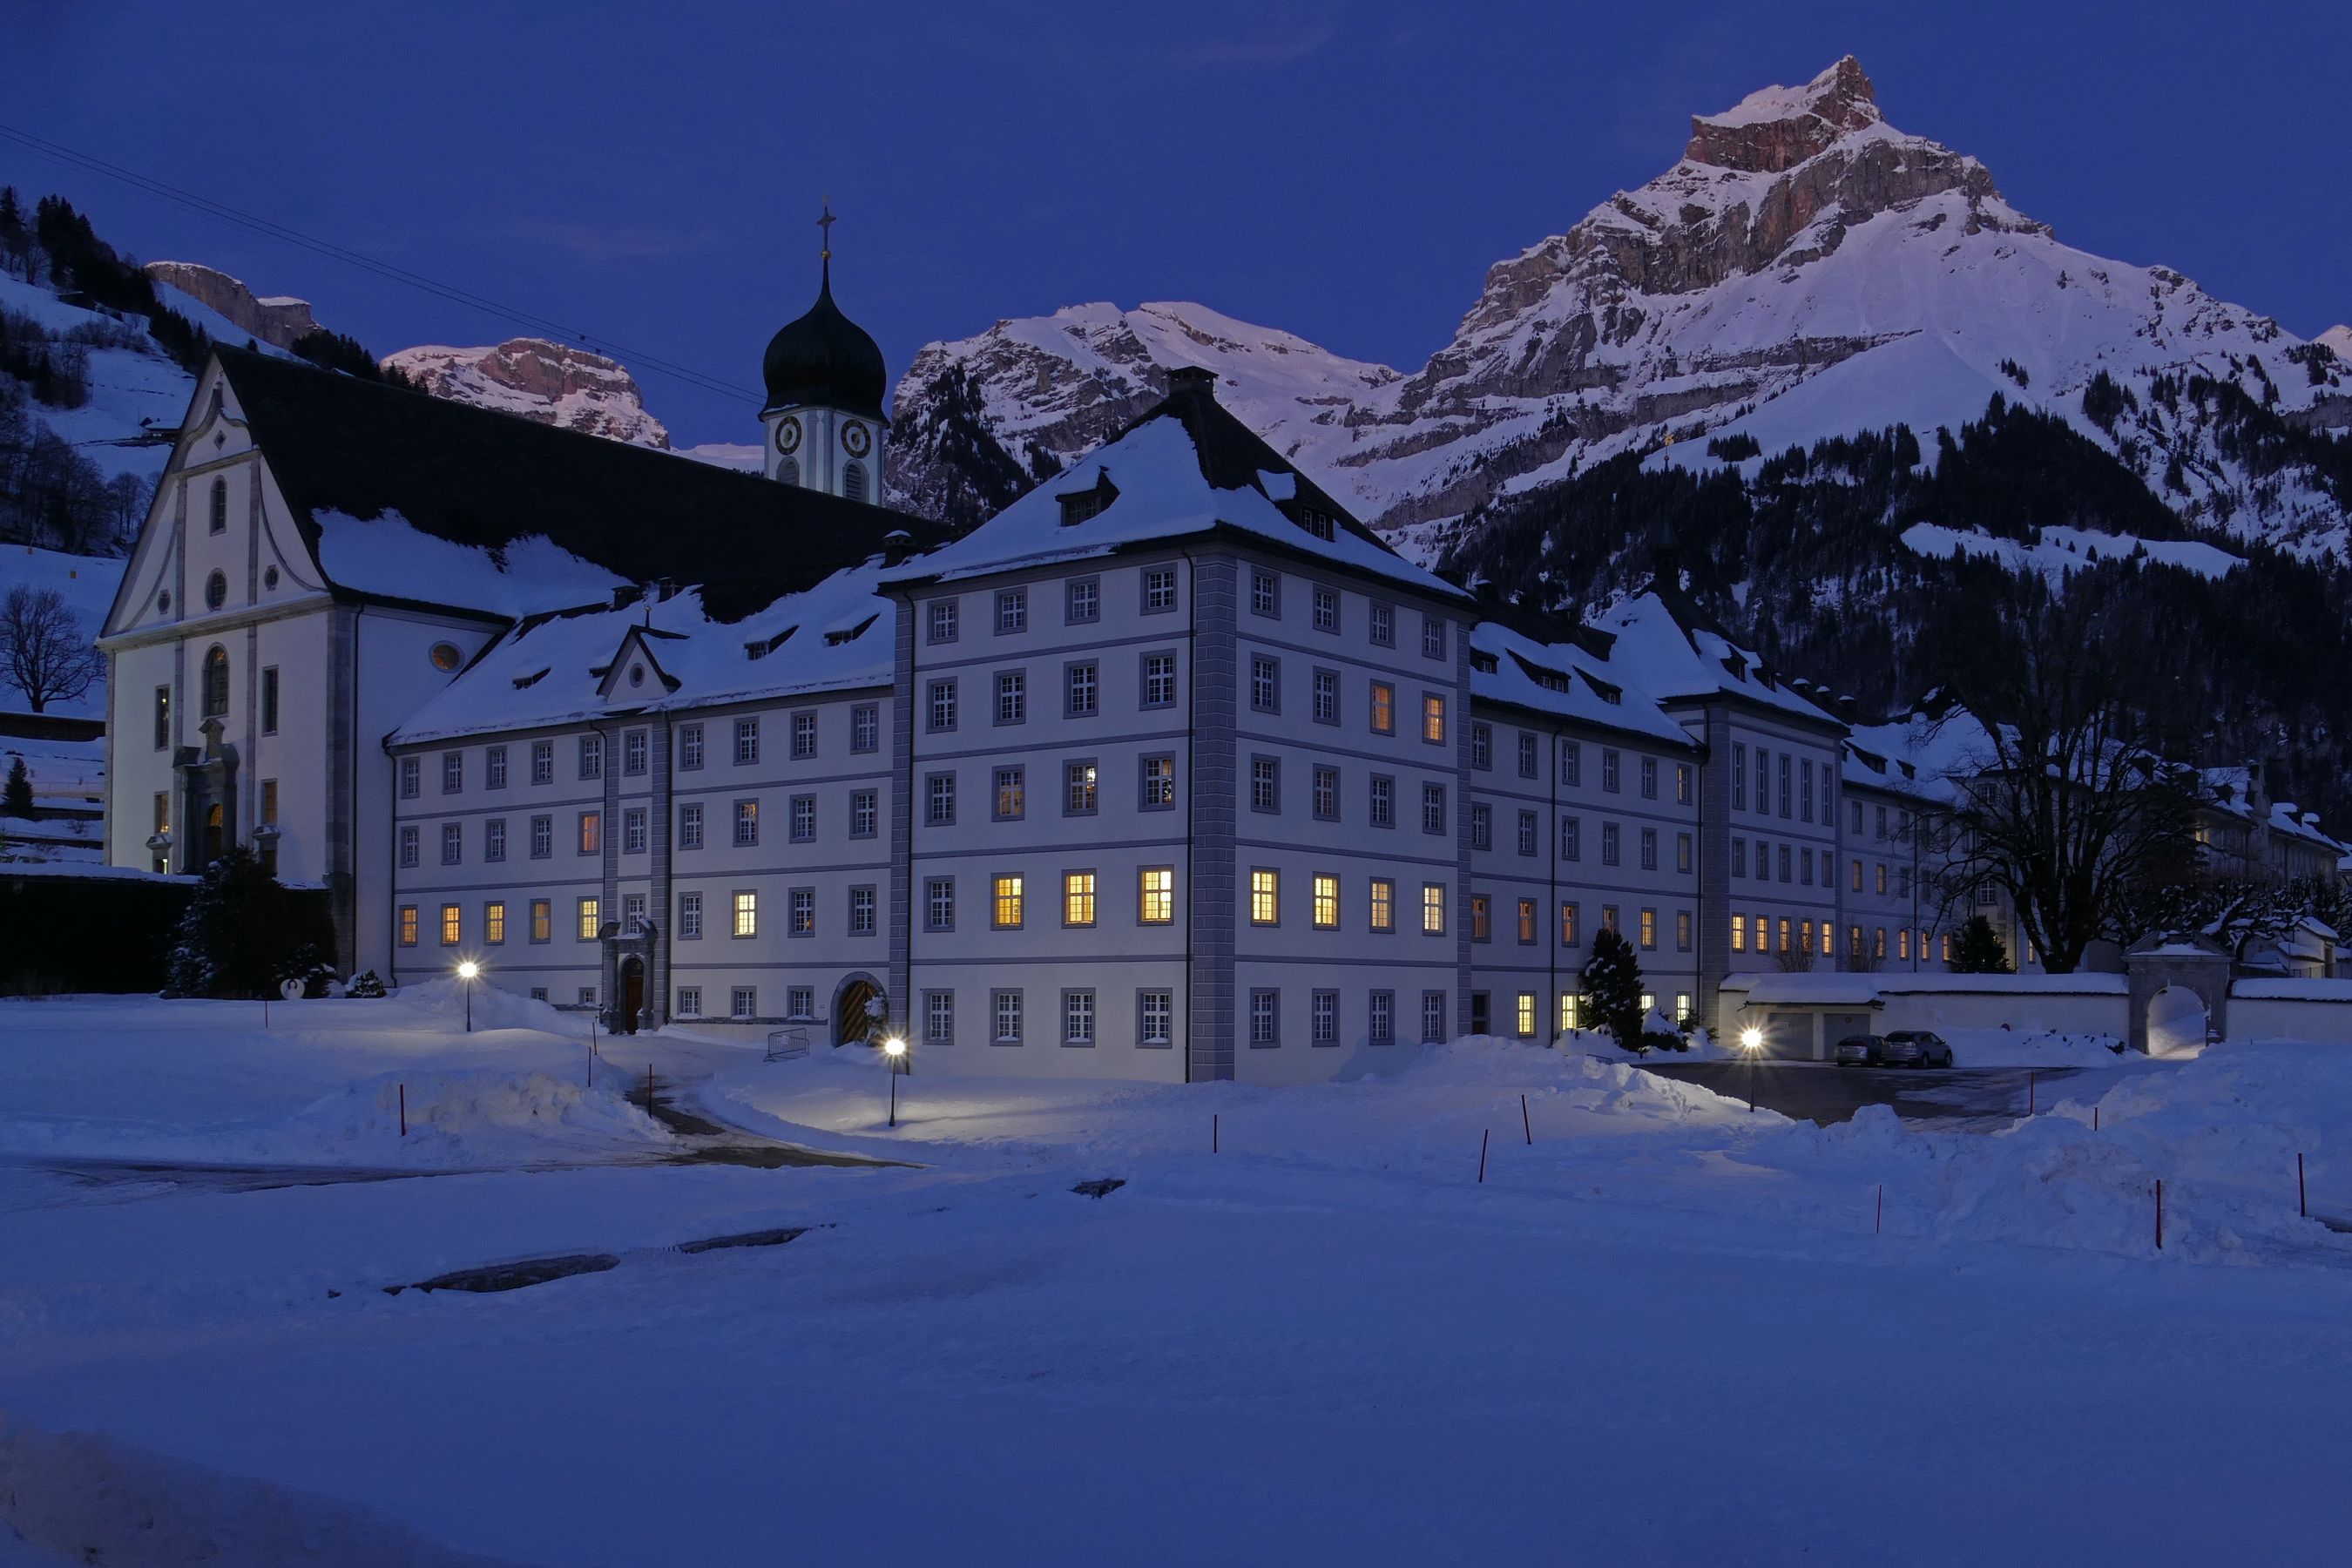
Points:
x=824, y=223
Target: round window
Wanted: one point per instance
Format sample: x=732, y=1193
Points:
x=446, y=656
x=636, y=675
x=215, y=590
x=269, y=578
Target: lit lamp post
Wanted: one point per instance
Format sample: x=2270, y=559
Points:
x=468, y=972
x=894, y=1052
x=1751, y=1041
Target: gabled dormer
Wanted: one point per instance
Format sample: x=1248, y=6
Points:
x=1080, y=505
x=636, y=676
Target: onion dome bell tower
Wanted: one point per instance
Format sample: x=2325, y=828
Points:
x=826, y=384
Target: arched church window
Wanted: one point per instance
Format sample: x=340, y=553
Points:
x=215, y=590
x=220, y=506
x=853, y=481
x=217, y=682
x=788, y=470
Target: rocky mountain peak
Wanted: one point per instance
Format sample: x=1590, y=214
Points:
x=1778, y=128
x=552, y=383
x=279, y=320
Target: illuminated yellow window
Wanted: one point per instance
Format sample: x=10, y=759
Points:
x=1006, y=905
x=1527, y=1014
x=1784, y=934
x=1683, y=1010
x=1649, y=1002
x=747, y=914
x=1740, y=934
x=591, y=921
x=542, y=919
x=1478, y=928
x=1077, y=897
x=493, y=923
x=1902, y=943
x=408, y=925
x=590, y=832
x=1432, y=719
x=1433, y=907
x=1526, y=919
x=1649, y=928
x=1265, y=897
x=1327, y=902
x=1566, y=923
x=1567, y=1010
x=1829, y=935
x=452, y=925
x=1383, y=708
x=1805, y=937
x=1384, y=904
x=1159, y=895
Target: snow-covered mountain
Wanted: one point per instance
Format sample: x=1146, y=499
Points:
x=280, y=320
x=550, y=382
x=1805, y=270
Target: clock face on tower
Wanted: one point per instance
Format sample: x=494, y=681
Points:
x=855, y=439
x=788, y=434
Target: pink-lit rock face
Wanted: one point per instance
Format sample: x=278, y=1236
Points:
x=550, y=382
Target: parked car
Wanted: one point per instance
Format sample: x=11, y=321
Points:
x=1915, y=1048
x=1860, y=1051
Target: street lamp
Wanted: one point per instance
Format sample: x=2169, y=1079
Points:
x=894, y=1051
x=1751, y=1038
x=468, y=972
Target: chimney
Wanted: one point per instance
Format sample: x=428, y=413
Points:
x=1193, y=380
x=627, y=593
x=664, y=589
x=896, y=545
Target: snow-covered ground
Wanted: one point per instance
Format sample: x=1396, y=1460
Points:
x=1665, y=1329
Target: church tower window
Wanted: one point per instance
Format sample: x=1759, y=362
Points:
x=853, y=481
x=220, y=506
x=788, y=471
x=215, y=682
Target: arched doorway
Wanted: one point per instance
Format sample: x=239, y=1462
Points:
x=2176, y=1023
x=854, y=1021
x=633, y=994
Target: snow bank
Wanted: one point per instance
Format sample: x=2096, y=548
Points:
x=91, y=1498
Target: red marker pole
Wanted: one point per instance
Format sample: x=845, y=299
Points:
x=1529, y=1128
x=2159, y=1213
x=1482, y=1135
x=649, y=1088
x=2301, y=1199
x=2028, y=1094
x=1213, y=1133
x=1878, y=1219
x=403, y=1110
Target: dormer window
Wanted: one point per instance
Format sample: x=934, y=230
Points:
x=1077, y=506
x=1316, y=521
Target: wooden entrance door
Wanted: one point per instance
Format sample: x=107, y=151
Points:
x=633, y=993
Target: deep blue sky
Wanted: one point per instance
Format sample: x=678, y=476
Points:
x=651, y=172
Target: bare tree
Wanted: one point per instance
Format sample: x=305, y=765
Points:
x=42, y=648
x=2075, y=812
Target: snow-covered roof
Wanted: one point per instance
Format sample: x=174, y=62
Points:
x=566, y=667
x=1184, y=469
x=1918, y=755
x=1565, y=679
x=1673, y=655
x=1836, y=988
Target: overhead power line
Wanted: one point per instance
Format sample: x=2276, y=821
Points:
x=544, y=326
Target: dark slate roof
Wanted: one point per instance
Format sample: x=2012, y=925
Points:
x=479, y=477
x=825, y=359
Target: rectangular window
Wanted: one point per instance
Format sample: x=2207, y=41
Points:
x=1683, y=852
x=1077, y=1017
x=1082, y=601
x=1571, y=763
x=690, y=917
x=494, y=924
x=1156, y=895
x=1012, y=696
x=1610, y=770
x=939, y=799
x=1079, y=792
x=689, y=746
x=592, y=832
x=1326, y=609
x=1155, y=1017
x=1265, y=903
x=940, y=621
x=633, y=830
x=1158, y=589
x=743, y=1001
x=747, y=742
x=1160, y=681
x=1383, y=708
x=542, y=762
x=1327, y=794
x=1525, y=1015
x=1740, y=934
x=1266, y=592
x=1383, y=620
x=588, y=919
x=1266, y=684
x=1327, y=696
x=542, y=919
x=1805, y=791
x=1763, y=782
x=1607, y=916
x=1011, y=611
x=494, y=840
x=1005, y=1008
x=1433, y=1017
x=1649, y=928
x=1482, y=746
x=542, y=837
x=1432, y=808
x=1481, y=924
x=689, y=825
x=1327, y=902
x=1265, y=1020
x=1682, y=783
x=1682, y=931
x=800, y=911
x=939, y=903
x=633, y=752
x=410, y=855
x=1526, y=919
x=803, y=735
x=1082, y=685
x=1527, y=833
x=861, y=912
x=412, y=778
x=1569, y=914
x=632, y=912
x=1527, y=754
x=1572, y=838
x=269, y=700
x=408, y=925
x=1739, y=857
x=1011, y=794
x=452, y=773
x=1077, y=897
x=1649, y=850
x=1568, y=1002
x=1482, y=826
x=1265, y=784
x=1649, y=778
x=864, y=813
x=865, y=728
x=1384, y=906
x=939, y=1017
x=163, y=718
x=1432, y=719
x=1380, y=1018
x=1323, y=1019
x=494, y=767
x=592, y=756
x=1383, y=801
x=1608, y=843
x=747, y=823
x=690, y=1001
x=1785, y=875
x=941, y=705
x=1159, y=782
x=1788, y=800
x=1433, y=637
x=803, y=819
x=1432, y=909
x=453, y=843
x=1006, y=911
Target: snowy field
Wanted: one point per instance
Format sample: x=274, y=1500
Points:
x=1663, y=1329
